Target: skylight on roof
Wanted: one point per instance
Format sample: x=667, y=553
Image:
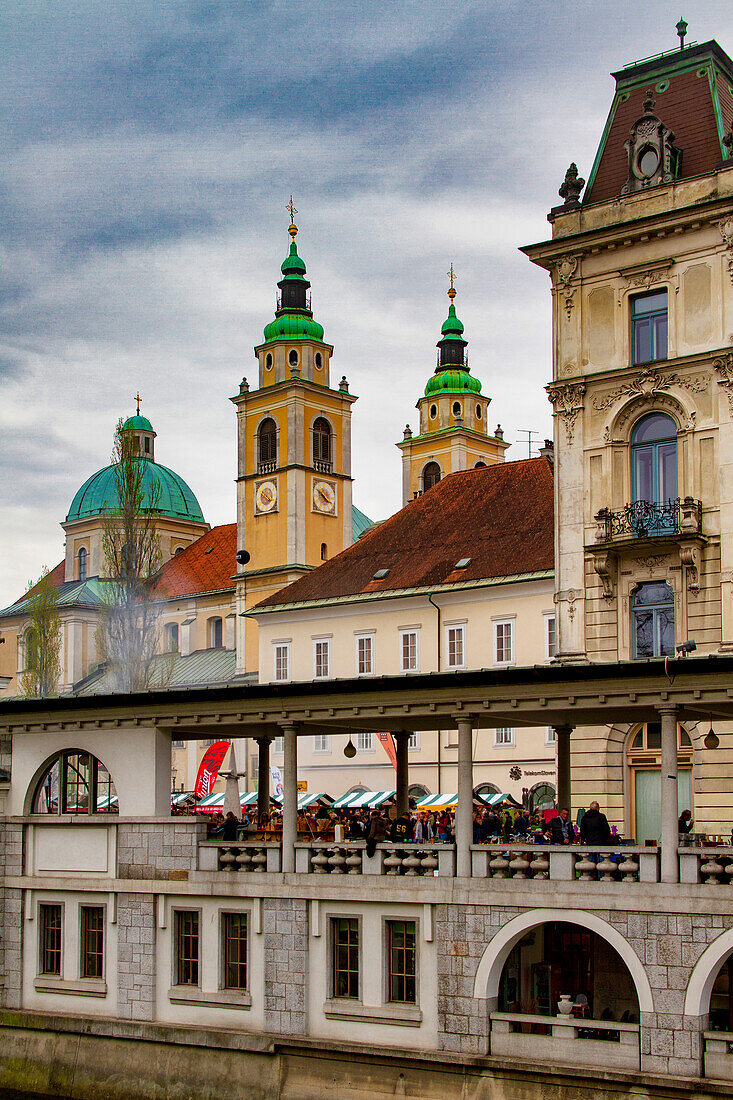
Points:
x=380, y=574
x=463, y=563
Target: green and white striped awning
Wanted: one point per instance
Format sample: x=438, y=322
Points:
x=361, y=800
x=305, y=800
x=181, y=796
x=437, y=802
x=214, y=802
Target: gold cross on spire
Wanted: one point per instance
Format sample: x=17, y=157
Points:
x=452, y=276
x=293, y=229
x=138, y=399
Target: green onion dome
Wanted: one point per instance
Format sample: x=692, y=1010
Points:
x=98, y=495
x=452, y=381
x=452, y=326
x=293, y=317
x=293, y=267
x=137, y=424
x=293, y=326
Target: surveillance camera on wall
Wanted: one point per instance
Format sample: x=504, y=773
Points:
x=242, y=557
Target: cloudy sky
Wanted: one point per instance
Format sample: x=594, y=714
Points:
x=148, y=151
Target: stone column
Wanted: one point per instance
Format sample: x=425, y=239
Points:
x=290, y=798
x=402, y=782
x=562, y=741
x=464, y=809
x=263, y=776
x=670, y=809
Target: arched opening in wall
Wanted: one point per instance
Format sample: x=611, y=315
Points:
x=485, y=790
x=216, y=633
x=324, y=552
x=541, y=797
x=644, y=770
x=74, y=782
x=654, y=471
x=417, y=791
x=721, y=998
x=322, y=449
x=82, y=559
x=478, y=465
x=293, y=358
x=171, y=631
x=563, y=962
x=430, y=476
x=267, y=446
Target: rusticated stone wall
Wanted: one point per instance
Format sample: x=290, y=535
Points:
x=286, y=965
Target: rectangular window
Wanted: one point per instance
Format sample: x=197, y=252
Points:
x=321, y=742
x=550, y=735
x=234, y=937
x=91, y=918
x=456, y=646
x=186, y=932
x=401, y=960
x=281, y=654
x=504, y=643
x=365, y=741
x=409, y=651
x=278, y=745
x=413, y=741
x=550, y=637
x=345, y=939
x=504, y=736
x=321, y=659
x=177, y=744
x=50, y=939
x=649, y=327
x=365, y=655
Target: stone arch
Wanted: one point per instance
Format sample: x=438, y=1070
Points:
x=39, y=773
x=702, y=979
x=623, y=421
x=496, y=953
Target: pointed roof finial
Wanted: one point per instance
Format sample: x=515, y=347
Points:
x=138, y=399
x=452, y=291
x=681, y=29
x=292, y=229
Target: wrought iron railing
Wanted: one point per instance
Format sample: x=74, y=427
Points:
x=643, y=519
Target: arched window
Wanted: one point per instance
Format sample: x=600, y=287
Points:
x=478, y=465
x=430, y=476
x=485, y=790
x=416, y=791
x=82, y=559
x=324, y=551
x=644, y=760
x=172, y=632
x=267, y=445
x=216, y=633
x=293, y=358
x=654, y=460
x=75, y=783
x=541, y=797
x=652, y=614
x=322, y=457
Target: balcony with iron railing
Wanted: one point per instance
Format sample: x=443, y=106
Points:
x=646, y=519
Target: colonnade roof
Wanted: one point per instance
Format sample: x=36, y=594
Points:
x=557, y=694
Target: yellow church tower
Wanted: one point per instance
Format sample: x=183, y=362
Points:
x=453, y=417
x=294, y=507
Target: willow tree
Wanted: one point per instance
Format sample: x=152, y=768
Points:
x=42, y=669
x=129, y=629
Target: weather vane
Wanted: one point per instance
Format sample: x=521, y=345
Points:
x=452, y=276
x=293, y=229
x=138, y=399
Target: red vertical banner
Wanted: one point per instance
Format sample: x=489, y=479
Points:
x=386, y=740
x=209, y=767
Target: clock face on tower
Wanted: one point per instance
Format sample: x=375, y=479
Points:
x=324, y=497
x=265, y=496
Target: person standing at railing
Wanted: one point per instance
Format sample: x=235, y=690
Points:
x=560, y=829
x=403, y=828
x=520, y=826
x=230, y=828
x=685, y=822
x=594, y=829
x=377, y=832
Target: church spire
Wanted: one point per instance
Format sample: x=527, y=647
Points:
x=451, y=343
x=293, y=316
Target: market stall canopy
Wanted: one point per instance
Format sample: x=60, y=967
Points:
x=437, y=802
x=305, y=800
x=360, y=800
x=182, y=796
x=213, y=803
x=500, y=800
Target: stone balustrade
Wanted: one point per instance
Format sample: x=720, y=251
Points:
x=719, y=1055
x=350, y=857
x=711, y=865
x=604, y=1044
x=226, y=855
x=606, y=863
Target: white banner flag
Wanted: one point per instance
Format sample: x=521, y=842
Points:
x=277, y=782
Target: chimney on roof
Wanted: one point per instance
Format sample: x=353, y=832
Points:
x=548, y=451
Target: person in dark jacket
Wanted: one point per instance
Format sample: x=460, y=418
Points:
x=521, y=824
x=492, y=826
x=685, y=823
x=230, y=827
x=559, y=829
x=376, y=833
x=594, y=827
x=403, y=828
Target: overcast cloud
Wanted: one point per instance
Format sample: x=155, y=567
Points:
x=148, y=151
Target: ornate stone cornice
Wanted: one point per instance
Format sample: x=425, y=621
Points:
x=649, y=384
x=723, y=367
x=725, y=228
x=564, y=271
x=566, y=399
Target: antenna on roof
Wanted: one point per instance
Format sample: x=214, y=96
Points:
x=529, y=432
x=681, y=29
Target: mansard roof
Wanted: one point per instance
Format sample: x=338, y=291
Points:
x=498, y=517
x=693, y=94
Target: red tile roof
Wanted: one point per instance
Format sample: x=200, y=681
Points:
x=57, y=575
x=207, y=565
x=687, y=107
x=501, y=517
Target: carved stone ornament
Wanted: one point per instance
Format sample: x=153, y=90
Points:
x=651, y=562
x=648, y=385
x=567, y=401
x=690, y=559
x=571, y=598
x=653, y=158
x=571, y=187
x=604, y=563
x=564, y=273
x=723, y=367
x=726, y=231
x=647, y=278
